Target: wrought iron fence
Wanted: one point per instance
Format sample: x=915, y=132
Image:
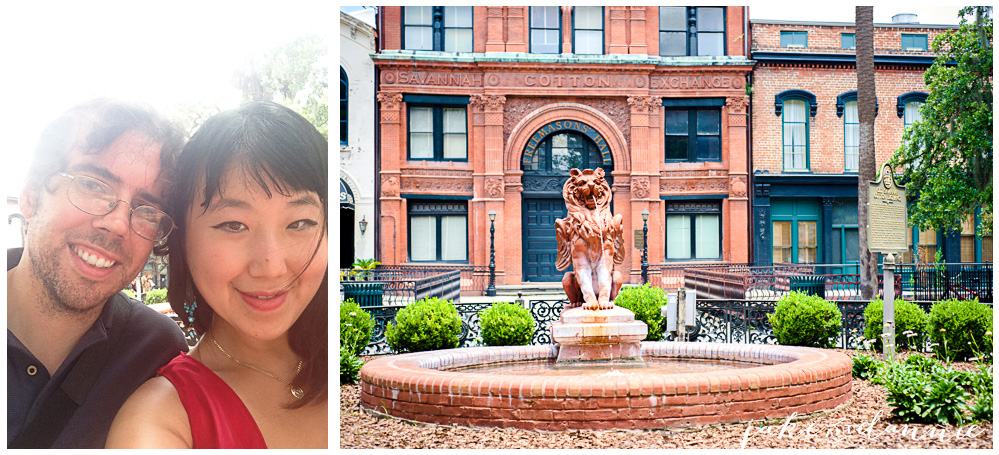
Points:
x=747, y=321
x=725, y=321
x=963, y=281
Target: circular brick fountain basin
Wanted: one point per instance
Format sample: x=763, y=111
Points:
x=440, y=387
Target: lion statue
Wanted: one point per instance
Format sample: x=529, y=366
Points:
x=590, y=239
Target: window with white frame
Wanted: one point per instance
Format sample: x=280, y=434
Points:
x=418, y=27
x=438, y=231
x=438, y=132
x=851, y=137
x=588, y=30
x=693, y=231
x=455, y=22
x=795, y=132
x=546, y=29
x=691, y=30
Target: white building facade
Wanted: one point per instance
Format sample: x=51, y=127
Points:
x=357, y=140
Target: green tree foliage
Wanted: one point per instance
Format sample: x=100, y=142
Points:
x=294, y=74
x=948, y=153
x=156, y=296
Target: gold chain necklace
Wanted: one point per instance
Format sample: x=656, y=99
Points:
x=295, y=391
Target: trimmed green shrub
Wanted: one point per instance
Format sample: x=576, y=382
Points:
x=129, y=292
x=355, y=326
x=910, y=324
x=156, y=296
x=506, y=324
x=425, y=325
x=646, y=302
x=865, y=367
x=958, y=329
x=806, y=320
x=350, y=366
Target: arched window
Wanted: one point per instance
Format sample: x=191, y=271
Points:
x=851, y=137
x=795, y=127
x=794, y=107
x=344, y=86
x=559, y=153
x=908, y=106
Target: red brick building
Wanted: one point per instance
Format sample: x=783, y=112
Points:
x=487, y=108
x=805, y=138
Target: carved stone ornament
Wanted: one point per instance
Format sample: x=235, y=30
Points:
x=693, y=186
x=494, y=187
x=737, y=105
x=390, y=101
x=390, y=186
x=737, y=186
x=550, y=184
x=488, y=102
x=436, y=185
x=644, y=104
x=640, y=187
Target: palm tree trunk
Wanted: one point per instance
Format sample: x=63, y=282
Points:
x=866, y=97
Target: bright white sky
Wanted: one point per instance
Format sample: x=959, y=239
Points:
x=939, y=12
x=58, y=54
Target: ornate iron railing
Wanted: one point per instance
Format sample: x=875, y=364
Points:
x=725, y=321
x=963, y=281
x=747, y=321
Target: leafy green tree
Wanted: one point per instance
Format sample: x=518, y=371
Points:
x=294, y=74
x=948, y=153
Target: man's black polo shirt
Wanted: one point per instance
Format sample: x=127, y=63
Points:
x=149, y=341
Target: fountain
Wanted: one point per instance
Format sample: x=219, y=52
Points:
x=600, y=375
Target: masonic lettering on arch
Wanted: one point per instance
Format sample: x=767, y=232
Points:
x=531, y=150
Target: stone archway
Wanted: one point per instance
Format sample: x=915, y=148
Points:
x=522, y=133
x=348, y=221
x=518, y=263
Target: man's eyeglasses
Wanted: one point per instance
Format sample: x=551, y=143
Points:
x=98, y=198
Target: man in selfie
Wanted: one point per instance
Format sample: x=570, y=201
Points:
x=76, y=346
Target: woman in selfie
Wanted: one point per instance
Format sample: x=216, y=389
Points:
x=248, y=273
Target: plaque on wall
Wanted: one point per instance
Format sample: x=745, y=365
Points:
x=886, y=214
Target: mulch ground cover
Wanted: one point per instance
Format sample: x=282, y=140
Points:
x=866, y=422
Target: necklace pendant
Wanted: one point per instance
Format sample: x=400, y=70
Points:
x=297, y=393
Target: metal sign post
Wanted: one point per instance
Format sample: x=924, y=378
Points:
x=886, y=225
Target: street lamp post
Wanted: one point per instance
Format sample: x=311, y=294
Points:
x=645, y=246
x=491, y=290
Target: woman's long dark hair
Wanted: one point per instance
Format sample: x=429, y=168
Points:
x=282, y=152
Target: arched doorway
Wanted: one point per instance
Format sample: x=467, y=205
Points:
x=346, y=226
x=552, y=151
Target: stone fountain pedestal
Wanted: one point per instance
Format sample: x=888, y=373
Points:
x=593, y=336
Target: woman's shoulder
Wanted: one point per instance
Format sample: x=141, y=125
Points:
x=153, y=417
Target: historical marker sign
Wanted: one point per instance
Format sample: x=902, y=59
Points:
x=886, y=214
